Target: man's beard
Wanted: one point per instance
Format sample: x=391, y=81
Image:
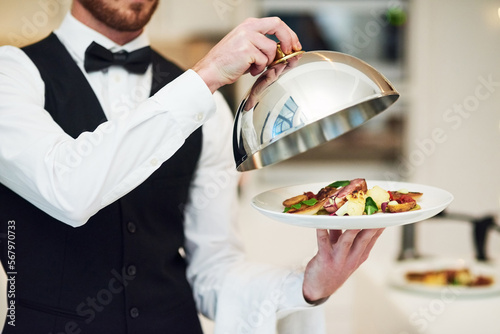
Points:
x=133, y=18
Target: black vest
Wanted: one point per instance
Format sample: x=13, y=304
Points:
x=121, y=272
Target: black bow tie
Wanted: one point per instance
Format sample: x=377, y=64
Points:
x=98, y=58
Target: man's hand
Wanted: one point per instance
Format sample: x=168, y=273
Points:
x=339, y=255
x=245, y=49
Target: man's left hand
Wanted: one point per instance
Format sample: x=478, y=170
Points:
x=339, y=255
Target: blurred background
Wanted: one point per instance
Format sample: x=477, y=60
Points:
x=442, y=56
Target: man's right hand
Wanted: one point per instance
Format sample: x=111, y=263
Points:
x=246, y=49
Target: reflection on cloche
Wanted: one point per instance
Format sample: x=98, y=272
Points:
x=307, y=100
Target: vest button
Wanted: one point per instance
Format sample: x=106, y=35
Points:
x=131, y=270
x=131, y=227
x=134, y=312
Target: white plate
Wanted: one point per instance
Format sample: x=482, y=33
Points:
x=397, y=277
x=433, y=201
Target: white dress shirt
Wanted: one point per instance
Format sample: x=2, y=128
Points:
x=58, y=174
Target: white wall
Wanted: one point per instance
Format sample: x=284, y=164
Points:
x=454, y=125
x=455, y=49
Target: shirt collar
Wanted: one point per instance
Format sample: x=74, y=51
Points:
x=71, y=27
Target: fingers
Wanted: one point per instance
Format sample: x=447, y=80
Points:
x=339, y=255
x=371, y=243
x=364, y=243
x=245, y=49
x=255, y=30
x=350, y=245
x=275, y=26
x=344, y=244
x=323, y=239
x=327, y=238
x=335, y=235
x=263, y=51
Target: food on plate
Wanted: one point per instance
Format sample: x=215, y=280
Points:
x=403, y=192
x=444, y=277
x=352, y=198
x=354, y=205
x=295, y=200
x=379, y=195
x=354, y=192
x=394, y=206
x=402, y=200
x=308, y=203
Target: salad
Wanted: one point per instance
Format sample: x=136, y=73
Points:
x=352, y=198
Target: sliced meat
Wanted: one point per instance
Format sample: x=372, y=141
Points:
x=325, y=192
x=339, y=198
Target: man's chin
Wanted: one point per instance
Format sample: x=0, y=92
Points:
x=131, y=18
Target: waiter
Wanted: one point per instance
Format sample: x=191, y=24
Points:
x=107, y=190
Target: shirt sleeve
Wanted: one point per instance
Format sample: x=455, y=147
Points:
x=240, y=296
x=72, y=179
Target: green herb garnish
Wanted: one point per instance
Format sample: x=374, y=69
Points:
x=308, y=202
x=339, y=184
x=370, y=206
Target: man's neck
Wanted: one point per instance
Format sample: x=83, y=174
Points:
x=119, y=37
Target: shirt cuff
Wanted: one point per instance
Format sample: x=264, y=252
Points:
x=293, y=298
x=191, y=95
